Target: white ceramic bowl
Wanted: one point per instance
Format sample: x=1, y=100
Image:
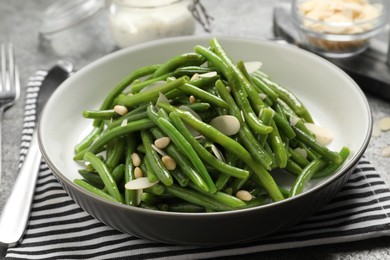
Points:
x=333, y=98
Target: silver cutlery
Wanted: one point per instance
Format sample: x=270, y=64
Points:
x=15, y=214
x=9, y=82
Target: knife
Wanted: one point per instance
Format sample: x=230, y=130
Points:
x=369, y=69
x=16, y=211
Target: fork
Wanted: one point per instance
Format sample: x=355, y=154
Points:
x=9, y=82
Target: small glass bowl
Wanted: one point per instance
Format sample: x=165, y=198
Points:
x=343, y=35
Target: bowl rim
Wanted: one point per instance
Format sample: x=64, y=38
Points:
x=337, y=175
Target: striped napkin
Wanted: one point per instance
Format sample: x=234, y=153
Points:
x=59, y=228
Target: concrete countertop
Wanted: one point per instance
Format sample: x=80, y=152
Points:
x=19, y=23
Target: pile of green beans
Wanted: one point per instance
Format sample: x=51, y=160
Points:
x=175, y=101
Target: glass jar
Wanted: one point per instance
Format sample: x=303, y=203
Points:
x=135, y=21
x=76, y=29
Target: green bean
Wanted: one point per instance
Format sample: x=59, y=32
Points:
x=223, y=179
x=182, y=161
x=332, y=166
x=203, y=95
x=286, y=96
x=284, y=126
x=199, y=106
x=246, y=136
x=144, y=205
x=232, y=146
x=243, y=103
x=190, y=70
x=204, y=82
x=88, y=140
x=118, y=131
x=137, y=87
x=185, y=147
x=291, y=114
x=204, y=154
x=130, y=195
x=100, y=114
x=109, y=100
x=293, y=167
x=149, y=170
x=264, y=88
x=211, y=57
x=115, y=154
x=256, y=102
x=85, y=185
x=155, y=162
x=128, y=118
x=278, y=147
x=196, y=198
x=317, y=147
x=255, y=202
x=157, y=189
x=298, y=158
x=266, y=116
x=222, y=197
x=180, y=177
x=105, y=175
x=150, y=95
x=306, y=175
x=237, y=184
x=179, y=61
x=185, y=207
x=149, y=198
x=92, y=178
x=267, y=148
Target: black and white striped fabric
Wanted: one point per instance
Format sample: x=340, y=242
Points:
x=59, y=228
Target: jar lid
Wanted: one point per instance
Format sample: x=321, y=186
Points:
x=66, y=13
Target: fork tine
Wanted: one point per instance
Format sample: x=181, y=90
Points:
x=13, y=71
x=11, y=65
x=3, y=66
x=17, y=82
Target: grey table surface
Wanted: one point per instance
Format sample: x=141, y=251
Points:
x=19, y=23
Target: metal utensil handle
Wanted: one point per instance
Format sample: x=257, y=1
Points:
x=15, y=214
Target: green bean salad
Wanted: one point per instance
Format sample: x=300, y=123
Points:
x=201, y=133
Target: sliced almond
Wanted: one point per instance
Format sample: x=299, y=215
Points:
x=301, y=151
x=252, y=66
x=124, y=122
x=160, y=151
x=323, y=135
x=384, y=124
x=294, y=120
x=208, y=74
x=376, y=131
x=227, y=124
x=386, y=151
x=217, y=153
x=162, y=99
x=140, y=183
x=195, y=77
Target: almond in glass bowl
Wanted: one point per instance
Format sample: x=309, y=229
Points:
x=339, y=28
